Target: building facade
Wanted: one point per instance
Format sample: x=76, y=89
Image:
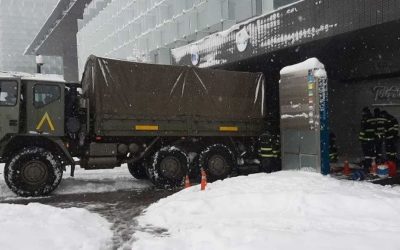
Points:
x=143, y=30
x=20, y=20
x=358, y=41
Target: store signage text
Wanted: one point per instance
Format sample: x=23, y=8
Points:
x=386, y=92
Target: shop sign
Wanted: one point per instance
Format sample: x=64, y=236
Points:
x=387, y=93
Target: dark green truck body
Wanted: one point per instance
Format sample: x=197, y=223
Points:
x=136, y=99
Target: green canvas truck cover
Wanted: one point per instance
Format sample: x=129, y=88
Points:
x=128, y=90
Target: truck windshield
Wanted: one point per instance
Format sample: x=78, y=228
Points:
x=8, y=93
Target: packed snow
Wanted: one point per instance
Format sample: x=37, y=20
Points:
x=283, y=210
x=35, y=77
x=311, y=63
x=88, y=181
x=302, y=115
x=42, y=227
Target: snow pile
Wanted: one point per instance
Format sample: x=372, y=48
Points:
x=312, y=63
x=88, y=181
x=284, y=210
x=43, y=227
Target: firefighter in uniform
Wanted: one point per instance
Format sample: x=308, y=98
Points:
x=380, y=133
x=266, y=152
x=367, y=137
x=391, y=136
x=276, y=150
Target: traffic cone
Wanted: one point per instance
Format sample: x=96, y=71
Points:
x=203, y=183
x=374, y=167
x=187, y=182
x=346, y=168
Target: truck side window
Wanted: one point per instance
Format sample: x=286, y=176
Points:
x=8, y=93
x=45, y=94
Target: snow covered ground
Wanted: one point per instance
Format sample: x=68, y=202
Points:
x=88, y=181
x=284, y=210
x=42, y=227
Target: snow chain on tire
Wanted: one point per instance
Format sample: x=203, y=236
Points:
x=169, y=167
x=33, y=171
x=217, y=153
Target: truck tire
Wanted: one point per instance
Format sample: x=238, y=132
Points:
x=33, y=172
x=169, y=167
x=218, y=161
x=138, y=170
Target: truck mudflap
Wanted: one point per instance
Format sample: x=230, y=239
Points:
x=66, y=153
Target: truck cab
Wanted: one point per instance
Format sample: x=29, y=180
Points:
x=31, y=128
x=31, y=105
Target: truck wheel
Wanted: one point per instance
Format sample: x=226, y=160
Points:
x=218, y=162
x=138, y=170
x=33, y=172
x=169, y=167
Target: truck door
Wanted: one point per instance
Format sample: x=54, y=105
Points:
x=45, y=108
x=9, y=106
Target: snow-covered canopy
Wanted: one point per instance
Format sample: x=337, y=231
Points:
x=32, y=77
x=312, y=63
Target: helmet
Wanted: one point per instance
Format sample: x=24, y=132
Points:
x=366, y=110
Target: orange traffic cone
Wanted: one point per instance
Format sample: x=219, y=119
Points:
x=374, y=167
x=187, y=182
x=203, y=183
x=346, y=168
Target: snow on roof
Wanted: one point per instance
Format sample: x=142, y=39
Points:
x=35, y=77
x=312, y=63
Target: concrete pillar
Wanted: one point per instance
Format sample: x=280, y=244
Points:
x=70, y=55
x=70, y=63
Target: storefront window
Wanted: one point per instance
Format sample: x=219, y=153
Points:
x=280, y=3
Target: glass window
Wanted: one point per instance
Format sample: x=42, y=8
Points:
x=45, y=94
x=8, y=93
x=280, y=3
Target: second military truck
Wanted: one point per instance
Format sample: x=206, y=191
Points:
x=163, y=121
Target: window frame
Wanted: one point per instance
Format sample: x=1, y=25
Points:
x=49, y=85
x=17, y=90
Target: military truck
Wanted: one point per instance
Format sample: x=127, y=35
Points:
x=163, y=121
